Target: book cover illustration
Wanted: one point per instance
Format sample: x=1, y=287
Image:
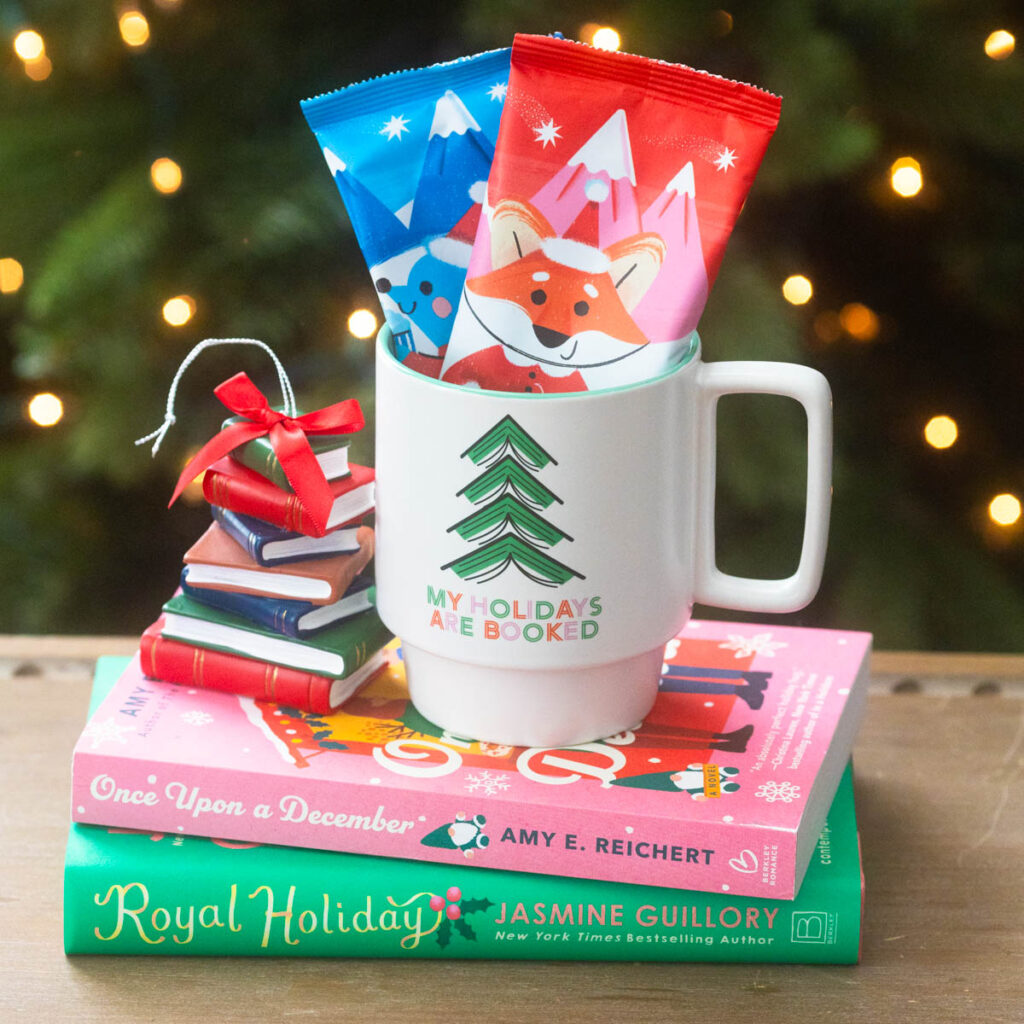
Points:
x=723, y=788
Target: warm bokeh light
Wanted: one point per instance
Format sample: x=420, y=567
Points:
x=941, y=432
x=45, y=410
x=362, y=323
x=827, y=327
x=1004, y=509
x=39, y=69
x=859, y=321
x=11, y=275
x=165, y=175
x=906, y=177
x=797, y=289
x=606, y=38
x=179, y=310
x=1000, y=44
x=193, y=492
x=721, y=22
x=134, y=28
x=29, y=45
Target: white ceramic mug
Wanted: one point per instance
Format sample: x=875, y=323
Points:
x=536, y=552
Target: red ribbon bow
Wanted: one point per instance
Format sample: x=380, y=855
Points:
x=287, y=436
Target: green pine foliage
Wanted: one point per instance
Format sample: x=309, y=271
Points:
x=257, y=235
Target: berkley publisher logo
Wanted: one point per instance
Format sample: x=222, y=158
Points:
x=813, y=926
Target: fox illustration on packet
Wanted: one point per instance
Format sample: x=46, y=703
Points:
x=606, y=217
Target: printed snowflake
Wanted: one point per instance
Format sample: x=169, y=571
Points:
x=745, y=646
x=547, y=132
x=394, y=126
x=196, y=718
x=725, y=159
x=487, y=782
x=106, y=732
x=497, y=91
x=771, y=791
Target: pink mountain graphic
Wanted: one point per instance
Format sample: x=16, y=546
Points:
x=592, y=198
x=674, y=302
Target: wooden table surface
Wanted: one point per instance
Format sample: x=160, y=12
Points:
x=941, y=806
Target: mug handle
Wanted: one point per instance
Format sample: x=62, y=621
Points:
x=811, y=390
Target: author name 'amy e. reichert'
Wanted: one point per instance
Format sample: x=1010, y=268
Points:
x=616, y=847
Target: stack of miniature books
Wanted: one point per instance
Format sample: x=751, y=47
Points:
x=270, y=612
x=721, y=828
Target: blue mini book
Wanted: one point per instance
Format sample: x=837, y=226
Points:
x=270, y=545
x=289, y=618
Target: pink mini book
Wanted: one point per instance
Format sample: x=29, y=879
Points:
x=723, y=788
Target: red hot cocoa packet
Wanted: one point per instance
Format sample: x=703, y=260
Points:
x=615, y=185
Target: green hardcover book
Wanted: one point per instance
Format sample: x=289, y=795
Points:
x=336, y=651
x=141, y=893
x=331, y=451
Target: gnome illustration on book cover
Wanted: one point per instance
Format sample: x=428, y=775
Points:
x=603, y=229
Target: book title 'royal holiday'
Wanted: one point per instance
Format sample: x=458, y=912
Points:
x=289, y=916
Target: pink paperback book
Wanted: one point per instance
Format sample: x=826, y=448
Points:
x=723, y=788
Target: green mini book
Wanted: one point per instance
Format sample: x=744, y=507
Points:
x=142, y=893
x=336, y=651
x=331, y=451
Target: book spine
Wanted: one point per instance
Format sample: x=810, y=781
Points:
x=261, y=459
x=260, y=456
x=279, y=616
x=278, y=902
x=250, y=541
x=264, y=501
x=176, y=662
x=409, y=823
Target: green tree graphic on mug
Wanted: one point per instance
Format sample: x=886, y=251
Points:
x=507, y=526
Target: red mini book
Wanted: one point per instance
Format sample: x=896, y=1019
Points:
x=216, y=562
x=229, y=484
x=186, y=664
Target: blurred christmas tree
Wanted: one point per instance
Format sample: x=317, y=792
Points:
x=911, y=284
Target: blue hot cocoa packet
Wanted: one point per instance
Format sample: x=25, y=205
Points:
x=410, y=153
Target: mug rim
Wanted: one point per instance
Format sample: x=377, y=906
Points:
x=690, y=358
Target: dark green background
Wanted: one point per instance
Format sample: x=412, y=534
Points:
x=259, y=237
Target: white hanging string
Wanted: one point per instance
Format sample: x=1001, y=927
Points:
x=169, y=418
